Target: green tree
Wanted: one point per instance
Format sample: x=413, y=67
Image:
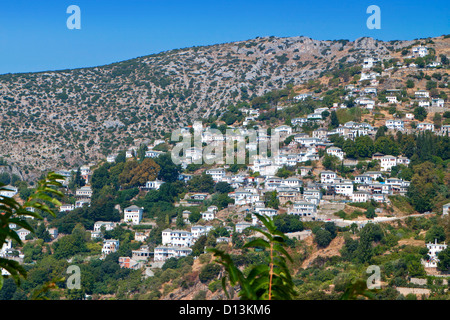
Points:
x=444, y=260
x=209, y=272
x=169, y=171
x=435, y=233
x=288, y=223
x=410, y=83
x=271, y=199
x=334, y=121
x=201, y=183
x=420, y=113
x=322, y=237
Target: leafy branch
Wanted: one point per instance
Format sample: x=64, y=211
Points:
x=271, y=281
x=12, y=212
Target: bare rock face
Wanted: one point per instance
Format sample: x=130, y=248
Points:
x=54, y=120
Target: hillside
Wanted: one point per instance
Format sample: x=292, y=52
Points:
x=57, y=119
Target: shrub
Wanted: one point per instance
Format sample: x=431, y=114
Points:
x=209, y=272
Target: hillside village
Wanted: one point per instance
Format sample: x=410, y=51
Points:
x=70, y=117
x=352, y=148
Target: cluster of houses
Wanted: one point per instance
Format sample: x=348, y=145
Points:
x=302, y=199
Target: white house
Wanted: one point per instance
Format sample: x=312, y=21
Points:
x=9, y=191
x=421, y=94
x=152, y=153
x=217, y=174
x=368, y=76
x=302, y=96
x=420, y=51
x=197, y=231
x=163, y=253
x=423, y=103
x=305, y=209
x=109, y=225
x=368, y=63
x=387, y=162
x=437, y=102
x=283, y=130
x=374, y=174
x=360, y=196
x=320, y=133
x=337, y=152
x=194, y=153
x=433, y=251
x=177, y=238
x=392, y=99
x=403, y=160
x=110, y=246
x=446, y=208
x=306, y=141
x=312, y=195
x=363, y=179
x=422, y=126
x=111, y=158
x=82, y=202
x=445, y=130
x=133, y=214
x=304, y=171
x=66, y=207
x=327, y=177
x=395, y=124
x=299, y=121
x=208, y=215
x=84, y=192
x=244, y=197
x=344, y=187
x=241, y=226
x=53, y=232
x=22, y=233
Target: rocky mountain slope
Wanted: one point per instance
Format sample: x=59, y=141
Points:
x=52, y=120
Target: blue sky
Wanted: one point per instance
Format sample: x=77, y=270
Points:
x=34, y=35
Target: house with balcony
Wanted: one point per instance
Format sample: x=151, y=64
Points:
x=133, y=214
x=67, y=208
x=217, y=174
x=422, y=126
x=335, y=151
x=387, y=162
x=108, y=225
x=162, y=253
x=304, y=209
x=110, y=246
x=177, y=238
x=197, y=231
x=360, y=196
x=395, y=124
x=327, y=177
x=419, y=51
x=84, y=192
x=421, y=94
